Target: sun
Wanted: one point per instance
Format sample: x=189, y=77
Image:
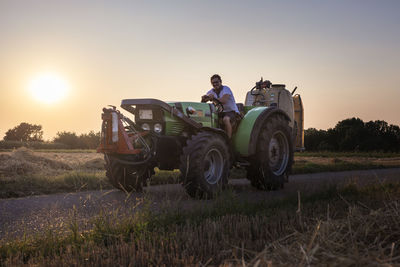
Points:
x=48, y=87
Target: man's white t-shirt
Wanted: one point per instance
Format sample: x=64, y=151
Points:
x=230, y=105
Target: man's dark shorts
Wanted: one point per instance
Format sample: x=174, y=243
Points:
x=230, y=114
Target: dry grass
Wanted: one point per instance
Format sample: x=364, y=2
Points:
x=337, y=227
x=340, y=227
x=94, y=164
x=77, y=160
x=387, y=162
x=24, y=172
x=331, y=154
x=24, y=162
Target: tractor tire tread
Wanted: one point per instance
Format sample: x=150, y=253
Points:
x=193, y=154
x=119, y=175
x=259, y=176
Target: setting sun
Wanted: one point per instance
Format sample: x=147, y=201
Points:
x=48, y=87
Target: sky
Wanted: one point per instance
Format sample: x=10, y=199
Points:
x=343, y=55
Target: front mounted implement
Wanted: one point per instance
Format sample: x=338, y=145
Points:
x=119, y=135
x=131, y=151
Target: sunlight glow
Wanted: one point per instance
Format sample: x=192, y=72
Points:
x=48, y=87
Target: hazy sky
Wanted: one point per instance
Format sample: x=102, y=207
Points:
x=344, y=56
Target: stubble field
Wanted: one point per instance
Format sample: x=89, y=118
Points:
x=25, y=172
x=343, y=225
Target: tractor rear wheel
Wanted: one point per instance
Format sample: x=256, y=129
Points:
x=205, y=164
x=273, y=161
x=124, y=177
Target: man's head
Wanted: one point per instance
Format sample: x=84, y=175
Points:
x=216, y=81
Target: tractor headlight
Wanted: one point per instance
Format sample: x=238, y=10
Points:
x=157, y=128
x=146, y=126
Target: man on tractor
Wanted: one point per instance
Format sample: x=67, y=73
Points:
x=187, y=135
x=223, y=94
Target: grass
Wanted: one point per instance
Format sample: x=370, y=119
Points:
x=324, y=154
x=73, y=181
x=330, y=154
x=340, y=226
x=37, y=184
x=164, y=177
x=61, y=150
x=301, y=167
x=25, y=172
x=66, y=150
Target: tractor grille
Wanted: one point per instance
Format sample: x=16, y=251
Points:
x=174, y=128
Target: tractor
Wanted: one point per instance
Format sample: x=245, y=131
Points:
x=189, y=136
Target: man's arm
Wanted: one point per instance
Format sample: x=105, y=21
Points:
x=205, y=98
x=224, y=99
x=226, y=92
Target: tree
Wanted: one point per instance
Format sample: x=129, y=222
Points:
x=25, y=132
x=70, y=139
x=351, y=134
x=84, y=141
x=90, y=140
x=313, y=138
x=382, y=136
x=354, y=135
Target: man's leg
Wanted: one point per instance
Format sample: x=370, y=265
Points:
x=228, y=126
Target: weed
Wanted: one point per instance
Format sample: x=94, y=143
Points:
x=344, y=226
x=36, y=184
x=25, y=172
x=331, y=154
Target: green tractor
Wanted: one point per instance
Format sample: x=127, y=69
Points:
x=188, y=136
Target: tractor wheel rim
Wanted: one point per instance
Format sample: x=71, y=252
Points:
x=278, y=153
x=213, y=166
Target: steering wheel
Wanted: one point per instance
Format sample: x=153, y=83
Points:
x=218, y=105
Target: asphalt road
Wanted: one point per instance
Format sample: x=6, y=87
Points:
x=37, y=214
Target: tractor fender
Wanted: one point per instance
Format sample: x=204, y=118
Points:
x=217, y=131
x=246, y=136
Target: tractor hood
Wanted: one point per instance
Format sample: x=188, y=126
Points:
x=129, y=105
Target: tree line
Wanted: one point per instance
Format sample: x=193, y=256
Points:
x=354, y=135
x=26, y=134
x=348, y=135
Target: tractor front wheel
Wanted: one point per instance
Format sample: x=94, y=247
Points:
x=124, y=177
x=205, y=164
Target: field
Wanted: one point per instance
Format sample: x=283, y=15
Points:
x=337, y=225
x=24, y=172
x=346, y=226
